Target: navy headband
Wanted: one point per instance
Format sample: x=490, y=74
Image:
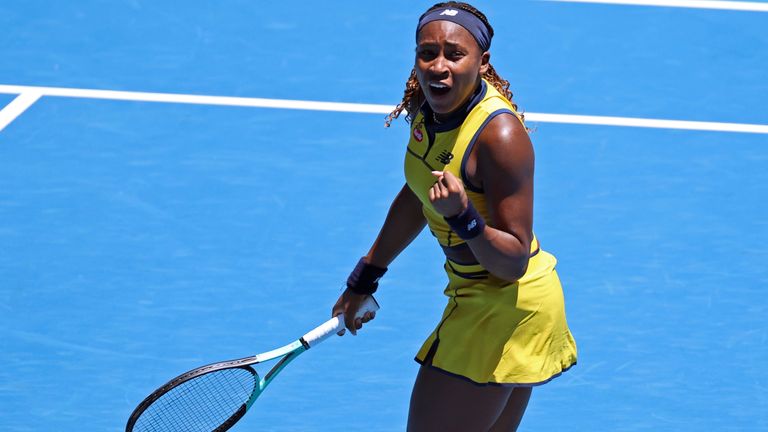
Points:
x=474, y=25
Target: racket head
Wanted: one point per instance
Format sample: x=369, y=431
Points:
x=216, y=396
x=208, y=398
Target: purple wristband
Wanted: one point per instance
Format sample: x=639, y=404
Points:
x=364, y=279
x=468, y=224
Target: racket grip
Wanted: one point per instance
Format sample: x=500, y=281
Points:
x=336, y=324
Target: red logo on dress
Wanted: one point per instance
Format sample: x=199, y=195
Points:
x=418, y=134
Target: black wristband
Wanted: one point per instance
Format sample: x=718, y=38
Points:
x=364, y=279
x=468, y=224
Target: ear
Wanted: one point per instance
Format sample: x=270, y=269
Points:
x=485, y=61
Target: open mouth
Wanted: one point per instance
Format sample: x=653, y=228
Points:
x=439, y=89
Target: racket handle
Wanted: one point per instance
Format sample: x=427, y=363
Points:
x=336, y=324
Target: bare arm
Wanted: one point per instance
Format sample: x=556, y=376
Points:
x=404, y=222
x=504, y=167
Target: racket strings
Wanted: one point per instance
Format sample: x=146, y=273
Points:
x=201, y=404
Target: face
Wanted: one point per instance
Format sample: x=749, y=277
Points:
x=448, y=65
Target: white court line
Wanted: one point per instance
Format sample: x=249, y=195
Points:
x=17, y=106
x=648, y=123
x=695, y=4
x=365, y=108
x=200, y=99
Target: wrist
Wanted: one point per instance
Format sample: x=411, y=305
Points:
x=468, y=224
x=364, y=279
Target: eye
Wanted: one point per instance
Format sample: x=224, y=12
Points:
x=426, y=53
x=455, y=55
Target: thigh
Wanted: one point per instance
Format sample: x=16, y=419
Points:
x=510, y=418
x=444, y=403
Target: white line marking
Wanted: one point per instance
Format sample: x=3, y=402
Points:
x=365, y=108
x=647, y=123
x=18, y=106
x=696, y=4
x=200, y=100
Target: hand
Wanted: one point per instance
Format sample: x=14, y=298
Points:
x=447, y=195
x=349, y=304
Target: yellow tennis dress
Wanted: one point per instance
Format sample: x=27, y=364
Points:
x=492, y=331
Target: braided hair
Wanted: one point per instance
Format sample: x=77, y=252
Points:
x=413, y=96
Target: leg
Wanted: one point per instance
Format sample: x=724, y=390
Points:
x=442, y=403
x=510, y=419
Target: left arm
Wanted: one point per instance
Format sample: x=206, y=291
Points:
x=504, y=165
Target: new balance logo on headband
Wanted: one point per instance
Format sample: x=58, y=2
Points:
x=474, y=25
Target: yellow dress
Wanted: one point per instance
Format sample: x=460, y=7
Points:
x=492, y=331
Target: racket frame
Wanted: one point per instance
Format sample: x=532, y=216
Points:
x=288, y=353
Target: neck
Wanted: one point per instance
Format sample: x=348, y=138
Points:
x=460, y=113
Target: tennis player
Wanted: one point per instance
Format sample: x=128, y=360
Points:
x=469, y=169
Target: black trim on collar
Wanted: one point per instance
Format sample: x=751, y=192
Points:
x=457, y=117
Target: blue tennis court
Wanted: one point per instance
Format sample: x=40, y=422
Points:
x=140, y=239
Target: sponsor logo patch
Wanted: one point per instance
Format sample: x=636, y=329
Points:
x=418, y=134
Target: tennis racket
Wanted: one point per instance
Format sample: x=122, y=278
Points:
x=216, y=396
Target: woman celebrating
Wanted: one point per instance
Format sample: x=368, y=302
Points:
x=469, y=176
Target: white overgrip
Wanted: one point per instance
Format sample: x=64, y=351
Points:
x=336, y=324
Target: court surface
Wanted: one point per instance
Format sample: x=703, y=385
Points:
x=141, y=239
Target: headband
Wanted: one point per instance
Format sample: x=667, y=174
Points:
x=468, y=20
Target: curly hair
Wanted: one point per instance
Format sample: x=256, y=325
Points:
x=413, y=96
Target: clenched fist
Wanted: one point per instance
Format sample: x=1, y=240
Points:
x=447, y=195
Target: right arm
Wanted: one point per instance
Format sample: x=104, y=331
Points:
x=403, y=224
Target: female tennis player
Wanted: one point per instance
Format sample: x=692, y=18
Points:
x=469, y=176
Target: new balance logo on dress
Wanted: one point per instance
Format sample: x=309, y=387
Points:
x=444, y=157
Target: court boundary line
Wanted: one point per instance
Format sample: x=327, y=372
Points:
x=692, y=4
x=28, y=95
x=17, y=106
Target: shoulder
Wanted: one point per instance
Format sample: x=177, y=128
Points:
x=504, y=144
